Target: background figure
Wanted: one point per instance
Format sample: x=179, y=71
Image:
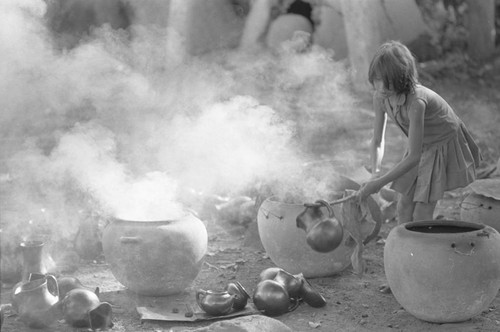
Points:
x=272, y=22
x=70, y=21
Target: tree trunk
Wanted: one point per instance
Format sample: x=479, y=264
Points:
x=481, y=25
x=364, y=23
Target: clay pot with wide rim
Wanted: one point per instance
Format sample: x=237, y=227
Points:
x=443, y=271
x=287, y=246
x=156, y=258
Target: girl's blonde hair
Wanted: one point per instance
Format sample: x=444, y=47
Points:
x=395, y=65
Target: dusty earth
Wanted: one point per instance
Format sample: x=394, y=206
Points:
x=354, y=304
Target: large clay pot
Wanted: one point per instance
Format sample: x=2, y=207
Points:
x=287, y=246
x=443, y=271
x=156, y=258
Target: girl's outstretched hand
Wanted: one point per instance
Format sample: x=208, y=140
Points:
x=368, y=188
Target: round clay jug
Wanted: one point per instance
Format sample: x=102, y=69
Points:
x=323, y=234
x=156, y=258
x=443, y=271
x=287, y=246
x=271, y=298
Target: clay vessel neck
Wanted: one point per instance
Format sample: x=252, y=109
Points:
x=32, y=259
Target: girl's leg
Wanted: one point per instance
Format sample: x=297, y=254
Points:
x=424, y=211
x=405, y=208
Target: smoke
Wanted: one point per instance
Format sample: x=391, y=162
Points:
x=122, y=124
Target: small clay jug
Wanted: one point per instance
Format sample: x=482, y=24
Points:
x=240, y=295
x=34, y=300
x=291, y=284
x=310, y=295
x=215, y=303
x=82, y=308
x=271, y=298
x=313, y=214
x=326, y=235
x=323, y=234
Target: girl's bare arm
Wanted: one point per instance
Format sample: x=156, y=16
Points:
x=415, y=139
x=378, y=141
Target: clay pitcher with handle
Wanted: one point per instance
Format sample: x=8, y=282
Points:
x=323, y=233
x=34, y=301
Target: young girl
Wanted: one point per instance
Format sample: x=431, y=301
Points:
x=441, y=154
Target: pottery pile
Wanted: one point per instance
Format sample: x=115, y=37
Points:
x=40, y=299
x=43, y=299
x=276, y=293
x=279, y=292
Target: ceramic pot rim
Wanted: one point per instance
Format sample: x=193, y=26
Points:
x=159, y=221
x=32, y=244
x=276, y=199
x=443, y=222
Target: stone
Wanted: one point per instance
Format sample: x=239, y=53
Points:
x=252, y=323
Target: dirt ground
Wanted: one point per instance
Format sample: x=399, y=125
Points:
x=353, y=304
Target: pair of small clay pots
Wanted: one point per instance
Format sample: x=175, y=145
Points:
x=81, y=307
x=279, y=292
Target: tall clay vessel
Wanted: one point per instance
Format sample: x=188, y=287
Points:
x=155, y=258
x=443, y=271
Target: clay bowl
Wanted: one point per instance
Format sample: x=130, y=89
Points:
x=286, y=244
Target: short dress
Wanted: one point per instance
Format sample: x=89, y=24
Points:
x=449, y=154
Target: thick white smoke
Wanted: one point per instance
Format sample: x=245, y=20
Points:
x=121, y=124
